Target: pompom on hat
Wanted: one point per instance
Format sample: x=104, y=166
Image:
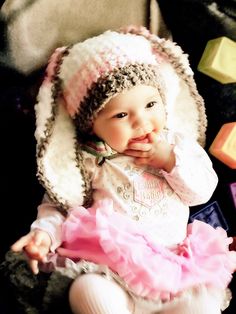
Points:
x=80, y=79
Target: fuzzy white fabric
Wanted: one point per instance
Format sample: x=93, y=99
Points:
x=60, y=172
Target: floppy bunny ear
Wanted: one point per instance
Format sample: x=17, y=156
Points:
x=61, y=173
x=185, y=107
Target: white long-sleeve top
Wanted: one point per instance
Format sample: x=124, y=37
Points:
x=152, y=197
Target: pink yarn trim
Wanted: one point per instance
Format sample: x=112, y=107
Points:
x=104, y=236
x=107, y=52
x=53, y=63
x=88, y=73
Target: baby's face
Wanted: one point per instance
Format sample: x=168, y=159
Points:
x=130, y=117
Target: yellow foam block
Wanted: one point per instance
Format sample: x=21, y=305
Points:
x=219, y=60
x=224, y=145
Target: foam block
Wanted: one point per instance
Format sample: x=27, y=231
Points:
x=212, y=215
x=224, y=145
x=219, y=60
x=233, y=192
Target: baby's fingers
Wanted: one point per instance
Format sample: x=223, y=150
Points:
x=21, y=243
x=144, y=147
x=136, y=153
x=34, y=266
x=35, y=252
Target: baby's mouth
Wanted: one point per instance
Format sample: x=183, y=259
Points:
x=140, y=139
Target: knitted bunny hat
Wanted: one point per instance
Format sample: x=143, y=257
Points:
x=80, y=80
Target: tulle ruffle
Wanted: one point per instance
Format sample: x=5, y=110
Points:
x=103, y=236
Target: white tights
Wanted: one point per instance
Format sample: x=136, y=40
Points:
x=198, y=301
x=94, y=294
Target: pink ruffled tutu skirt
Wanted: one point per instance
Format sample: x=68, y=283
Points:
x=103, y=236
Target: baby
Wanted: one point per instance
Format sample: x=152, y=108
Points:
x=120, y=226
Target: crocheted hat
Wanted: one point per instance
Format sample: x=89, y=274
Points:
x=82, y=78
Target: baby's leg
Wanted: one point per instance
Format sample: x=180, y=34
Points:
x=94, y=294
x=199, y=301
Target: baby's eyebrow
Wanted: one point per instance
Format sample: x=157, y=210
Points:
x=156, y=94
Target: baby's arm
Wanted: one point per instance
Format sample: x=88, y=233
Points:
x=157, y=153
x=50, y=220
x=45, y=235
x=183, y=163
x=192, y=178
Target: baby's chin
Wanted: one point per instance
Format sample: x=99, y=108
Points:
x=119, y=150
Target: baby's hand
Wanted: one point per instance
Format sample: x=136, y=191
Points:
x=154, y=152
x=36, y=245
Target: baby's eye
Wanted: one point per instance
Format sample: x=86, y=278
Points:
x=151, y=104
x=120, y=115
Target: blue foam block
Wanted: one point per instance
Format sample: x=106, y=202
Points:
x=212, y=215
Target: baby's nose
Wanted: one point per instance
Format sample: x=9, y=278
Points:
x=139, y=121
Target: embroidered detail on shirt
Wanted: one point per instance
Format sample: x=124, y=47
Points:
x=124, y=191
x=148, y=190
